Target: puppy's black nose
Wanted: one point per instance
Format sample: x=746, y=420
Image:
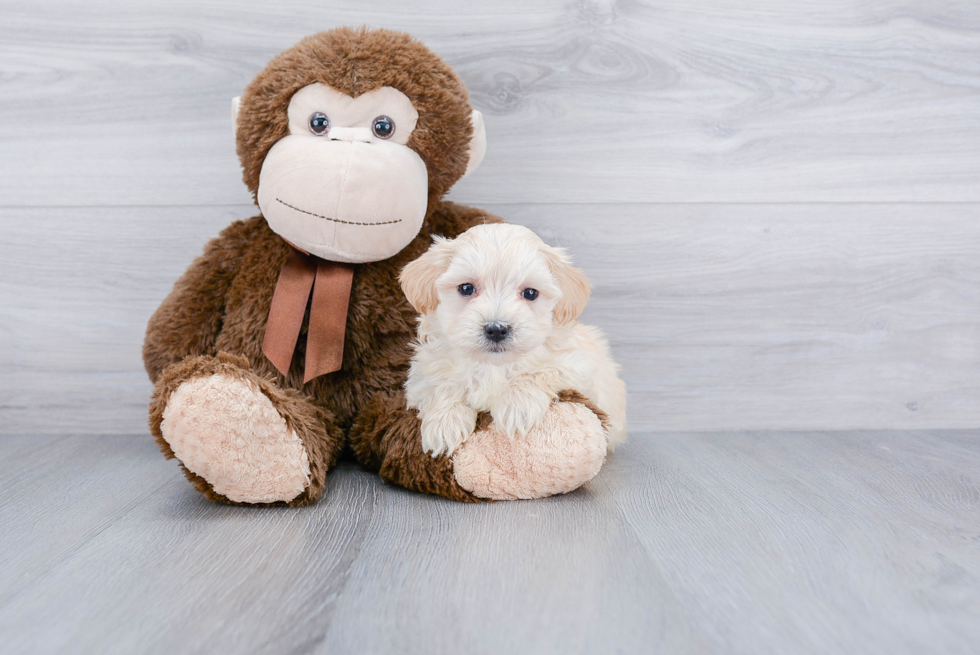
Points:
x=496, y=332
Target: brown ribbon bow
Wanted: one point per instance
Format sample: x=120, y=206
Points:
x=329, y=283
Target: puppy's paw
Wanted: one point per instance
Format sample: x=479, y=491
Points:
x=445, y=429
x=521, y=408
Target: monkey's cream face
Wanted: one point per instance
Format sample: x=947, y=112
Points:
x=343, y=184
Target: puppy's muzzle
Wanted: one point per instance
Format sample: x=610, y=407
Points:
x=496, y=332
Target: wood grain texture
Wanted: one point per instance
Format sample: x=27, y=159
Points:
x=797, y=315
x=674, y=101
x=725, y=317
x=863, y=542
x=636, y=134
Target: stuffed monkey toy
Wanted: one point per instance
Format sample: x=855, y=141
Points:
x=287, y=343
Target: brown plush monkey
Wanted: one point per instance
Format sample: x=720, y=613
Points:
x=289, y=339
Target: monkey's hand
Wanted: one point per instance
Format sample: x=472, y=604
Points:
x=445, y=428
x=522, y=406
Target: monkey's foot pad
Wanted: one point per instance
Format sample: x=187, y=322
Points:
x=560, y=455
x=227, y=431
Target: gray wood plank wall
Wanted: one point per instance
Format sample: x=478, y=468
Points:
x=778, y=202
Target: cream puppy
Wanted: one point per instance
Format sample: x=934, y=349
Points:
x=498, y=333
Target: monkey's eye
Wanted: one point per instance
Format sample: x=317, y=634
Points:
x=466, y=289
x=383, y=127
x=319, y=124
x=529, y=294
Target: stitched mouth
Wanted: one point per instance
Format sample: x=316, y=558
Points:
x=335, y=220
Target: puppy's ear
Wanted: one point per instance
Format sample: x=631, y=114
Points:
x=418, y=279
x=575, y=287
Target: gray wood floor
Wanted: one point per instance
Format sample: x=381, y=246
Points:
x=859, y=542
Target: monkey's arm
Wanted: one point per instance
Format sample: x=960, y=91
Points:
x=190, y=318
x=387, y=438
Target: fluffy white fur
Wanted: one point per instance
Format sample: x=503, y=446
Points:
x=458, y=372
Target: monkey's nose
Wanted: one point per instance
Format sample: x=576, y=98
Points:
x=496, y=332
x=349, y=134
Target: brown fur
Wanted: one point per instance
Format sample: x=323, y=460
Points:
x=314, y=425
x=221, y=304
x=356, y=61
x=386, y=438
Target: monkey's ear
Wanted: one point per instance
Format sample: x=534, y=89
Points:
x=418, y=279
x=234, y=114
x=575, y=287
x=478, y=144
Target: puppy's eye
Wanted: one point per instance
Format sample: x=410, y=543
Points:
x=319, y=124
x=466, y=289
x=529, y=294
